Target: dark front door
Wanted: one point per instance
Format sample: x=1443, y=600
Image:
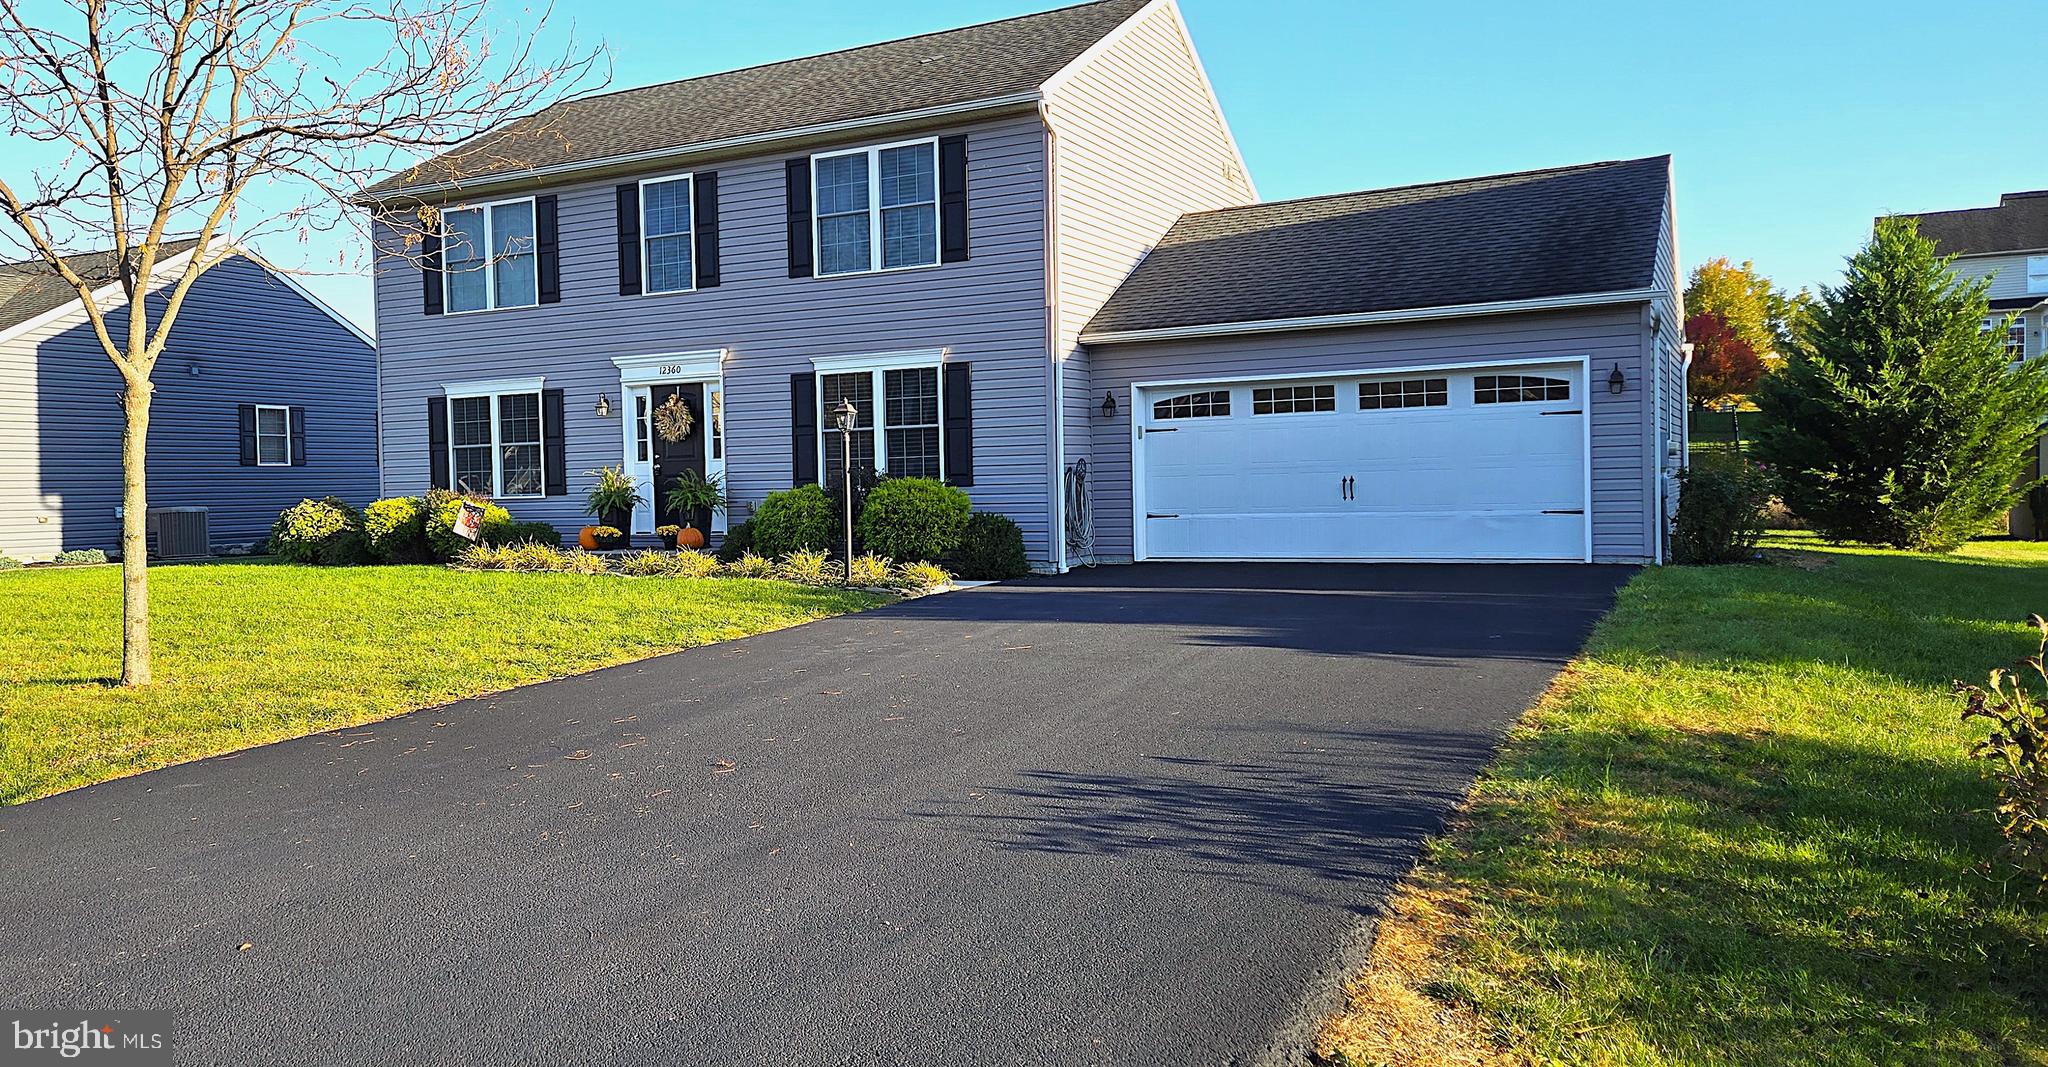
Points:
x=672, y=458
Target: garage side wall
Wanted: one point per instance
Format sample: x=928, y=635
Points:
x=1608, y=337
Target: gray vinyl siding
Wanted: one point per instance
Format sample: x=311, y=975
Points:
x=1137, y=142
x=2007, y=271
x=1609, y=336
x=253, y=340
x=989, y=311
x=1665, y=338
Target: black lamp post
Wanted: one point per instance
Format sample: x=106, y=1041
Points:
x=1733, y=409
x=843, y=416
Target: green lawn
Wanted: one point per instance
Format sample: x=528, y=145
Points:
x=248, y=653
x=1740, y=830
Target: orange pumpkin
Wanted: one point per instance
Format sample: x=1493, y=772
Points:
x=690, y=537
x=587, y=538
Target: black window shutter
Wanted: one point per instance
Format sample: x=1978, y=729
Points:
x=797, y=173
x=553, y=450
x=430, y=270
x=247, y=414
x=953, y=199
x=959, y=424
x=298, y=417
x=704, y=212
x=803, y=429
x=437, y=442
x=547, y=242
x=629, y=239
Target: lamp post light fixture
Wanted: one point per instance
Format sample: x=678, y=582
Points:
x=844, y=416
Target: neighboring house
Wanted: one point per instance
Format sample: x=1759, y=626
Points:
x=1027, y=250
x=263, y=397
x=2009, y=245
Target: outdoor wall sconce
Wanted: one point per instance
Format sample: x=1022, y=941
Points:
x=604, y=406
x=1616, y=381
x=1108, y=405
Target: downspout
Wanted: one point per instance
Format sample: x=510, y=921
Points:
x=1655, y=350
x=1056, y=366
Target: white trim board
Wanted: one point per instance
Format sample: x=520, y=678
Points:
x=1370, y=318
x=916, y=357
x=659, y=368
x=494, y=386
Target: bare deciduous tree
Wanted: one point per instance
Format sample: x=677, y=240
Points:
x=213, y=124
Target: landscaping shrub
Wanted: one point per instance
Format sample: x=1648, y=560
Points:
x=692, y=564
x=1898, y=419
x=326, y=532
x=808, y=567
x=8, y=563
x=647, y=565
x=991, y=549
x=870, y=569
x=80, y=557
x=440, y=523
x=539, y=533
x=2017, y=755
x=738, y=541
x=395, y=530
x=916, y=520
x=795, y=520
x=919, y=577
x=750, y=565
x=1722, y=508
x=529, y=557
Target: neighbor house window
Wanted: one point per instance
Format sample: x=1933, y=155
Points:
x=273, y=436
x=1203, y=405
x=877, y=208
x=1517, y=388
x=1294, y=399
x=2037, y=274
x=1411, y=393
x=2014, y=343
x=905, y=441
x=494, y=444
x=489, y=258
x=666, y=235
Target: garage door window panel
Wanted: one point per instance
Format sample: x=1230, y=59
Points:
x=1294, y=399
x=1410, y=393
x=1210, y=404
x=1519, y=389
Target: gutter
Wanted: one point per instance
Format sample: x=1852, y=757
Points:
x=1371, y=318
x=638, y=160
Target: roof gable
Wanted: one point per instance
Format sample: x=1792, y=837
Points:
x=1562, y=232
x=974, y=64
x=31, y=288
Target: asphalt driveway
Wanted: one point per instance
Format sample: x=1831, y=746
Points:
x=1133, y=815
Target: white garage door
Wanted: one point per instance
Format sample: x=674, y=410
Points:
x=1486, y=464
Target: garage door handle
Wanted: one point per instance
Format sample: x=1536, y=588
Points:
x=1150, y=515
x=1565, y=511
x=1560, y=413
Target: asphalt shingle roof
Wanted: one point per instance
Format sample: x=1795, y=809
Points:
x=962, y=66
x=30, y=288
x=1542, y=233
x=2019, y=223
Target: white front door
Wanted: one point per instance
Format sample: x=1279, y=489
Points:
x=1480, y=464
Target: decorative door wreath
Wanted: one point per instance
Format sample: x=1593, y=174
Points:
x=674, y=420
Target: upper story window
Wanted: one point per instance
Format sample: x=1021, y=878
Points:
x=2037, y=274
x=667, y=235
x=494, y=444
x=490, y=256
x=273, y=436
x=1518, y=388
x=877, y=208
x=1204, y=405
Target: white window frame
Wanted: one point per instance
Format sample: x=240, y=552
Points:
x=260, y=435
x=690, y=235
x=874, y=157
x=495, y=390
x=877, y=367
x=2009, y=328
x=490, y=267
x=2037, y=274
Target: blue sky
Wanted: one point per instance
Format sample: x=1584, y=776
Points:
x=1792, y=122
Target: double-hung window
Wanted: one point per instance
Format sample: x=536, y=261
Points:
x=2014, y=335
x=667, y=231
x=900, y=436
x=494, y=444
x=877, y=209
x=273, y=436
x=490, y=257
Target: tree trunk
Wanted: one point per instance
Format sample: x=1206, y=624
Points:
x=134, y=534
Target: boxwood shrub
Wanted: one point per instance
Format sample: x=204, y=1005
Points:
x=795, y=520
x=395, y=530
x=443, y=507
x=913, y=520
x=738, y=542
x=991, y=549
x=326, y=532
x=1721, y=512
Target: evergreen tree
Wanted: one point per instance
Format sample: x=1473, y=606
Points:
x=1897, y=420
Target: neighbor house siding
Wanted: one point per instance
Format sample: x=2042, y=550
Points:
x=2007, y=271
x=1609, y=337
x=989, y=311
x=1137, y=143
x=242, y=337
x=1665, y=338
